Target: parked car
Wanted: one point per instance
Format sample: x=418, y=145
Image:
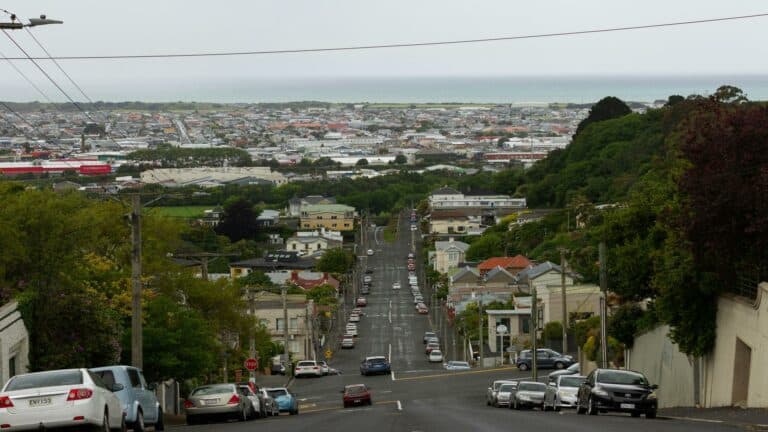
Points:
x=528, y=394
x=370, y=252
x=351, y=329
x=286, y=401
x=216, y=401
x=307, y=368
x=367, y=279
x=435, y=356
x=396, y=286
x=617, y=390
x=258, y=410
x=457, y=365
x=428, y=335
x=493, y=389
x=353, y=318
x=504, y=394
x=75, y=398
x=561, y=393
x=269, y=402
x=278, y=368
x=375, y=365
x=348, y=341
x=368, y=271
x=358, y=311
x=365, y=290
x=431, y=346
x=545, y=359
x=356, y=394
x=422, y=309
x=137, y=398
x=361, y=302
x=573, y=369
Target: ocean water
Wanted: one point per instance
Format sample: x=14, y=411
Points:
x=514, y=90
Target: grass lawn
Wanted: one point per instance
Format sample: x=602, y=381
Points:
x=188, y=212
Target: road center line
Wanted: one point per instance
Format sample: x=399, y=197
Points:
x=399, y=406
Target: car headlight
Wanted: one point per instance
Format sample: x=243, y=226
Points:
x=651, y=395
x=599, y=392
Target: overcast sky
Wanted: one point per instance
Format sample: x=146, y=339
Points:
x=99, y=27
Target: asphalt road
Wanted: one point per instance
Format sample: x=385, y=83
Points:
x=420, y=396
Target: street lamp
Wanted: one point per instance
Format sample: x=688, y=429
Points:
x=16, y=24
x=501, y=329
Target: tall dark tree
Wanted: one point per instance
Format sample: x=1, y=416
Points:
x=239, y=221
x=607, y=108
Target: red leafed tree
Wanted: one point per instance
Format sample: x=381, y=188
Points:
x=725, y=187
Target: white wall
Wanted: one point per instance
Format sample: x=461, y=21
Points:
x=14, y=341
x=656, y=356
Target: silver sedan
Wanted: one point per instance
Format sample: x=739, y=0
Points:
x=561, y=393
x=224, y=401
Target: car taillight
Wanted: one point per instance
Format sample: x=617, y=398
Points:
x=79, y=394
x=188, y=404
x=315, y=368
x=5, y=402
x=234, y=400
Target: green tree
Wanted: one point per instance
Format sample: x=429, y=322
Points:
x=401, y=159
x=607, y=108
x=336, y=261
x=239, y=221
x=487, y=246
x=362, y=162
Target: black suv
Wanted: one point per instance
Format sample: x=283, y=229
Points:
x=617, y=390
x=545, y=359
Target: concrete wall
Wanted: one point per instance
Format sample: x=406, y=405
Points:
x=14, y=342
x=580, y=298
x=656, y=356
x=738, y=319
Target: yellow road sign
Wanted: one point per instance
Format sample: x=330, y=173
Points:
x=328, y=354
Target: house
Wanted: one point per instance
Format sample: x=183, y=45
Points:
x=301, y=312
x=268, y=218
x=463, y=284
x=518, y=324
x=14, y=342
x=453, y=222
x=514, y=265
x=448, y=255
x=306, y=245
x=295, y=205
x=211, y=217
x=330, y=216
x=547, y=273
x=273, y=261
x=479, y=204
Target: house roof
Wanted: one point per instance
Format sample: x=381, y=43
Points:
x=467, y=272
x=444, y=214
x=446, y=245
x=536, y=271
x=309, y=280
x=499, y=274
x=518, y=261
x=333, y=208
x=445, y=190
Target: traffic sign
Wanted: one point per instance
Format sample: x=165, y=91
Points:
x=328, y=354
x=251, y=364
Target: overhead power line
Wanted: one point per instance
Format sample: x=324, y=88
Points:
x=398, y=45
x=50, y=57
x=26, y=78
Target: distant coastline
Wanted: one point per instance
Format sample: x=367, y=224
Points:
x=419, y=90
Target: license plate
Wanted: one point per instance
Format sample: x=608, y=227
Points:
x=627, y=406
x=357, y=400
x=210, y=401
x=40, y=402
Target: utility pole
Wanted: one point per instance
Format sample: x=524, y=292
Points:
x=137, y=343
x=534, y=334
x=284, y=292
x=252, y=340
x=603, y=305
x=564, y=300
x=480, y=311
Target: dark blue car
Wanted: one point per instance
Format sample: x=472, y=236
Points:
x=375, y=365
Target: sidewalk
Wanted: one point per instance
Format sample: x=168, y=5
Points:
x=750, y=418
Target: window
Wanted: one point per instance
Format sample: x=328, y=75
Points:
x=525, y=325
x=12, y=367
x=334, y=217
x=334, y=225
x=294, y=246
x=319, y=218
x=346, y=225
x=133, y=375
x=280, y=324
x=293, y=323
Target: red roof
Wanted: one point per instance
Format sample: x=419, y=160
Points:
x=312, y=283
x=518, y=261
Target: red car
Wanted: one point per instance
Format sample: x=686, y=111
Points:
x=361, y=302
x=356, y=394
x=422, y=309
x=411, y=267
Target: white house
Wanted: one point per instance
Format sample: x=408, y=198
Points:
x=14, y=342
x=448, y=255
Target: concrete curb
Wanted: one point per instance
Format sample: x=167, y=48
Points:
x=745, y=426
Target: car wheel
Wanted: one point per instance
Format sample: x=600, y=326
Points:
x=192, y=420
x=559, y=365
x=650, y=414
x=591, y=407
x=138, y=425
x=544, y=406
x=523, y=367
x=635, y=414
x=104, y=423
x=487, y=402
x=295, y=412
x=123, y=425
x=160, y=423
x=579, y=409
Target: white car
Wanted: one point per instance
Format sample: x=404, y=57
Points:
x=396, y=286
x=435, y=356
x=308, y=368
x=413, y=227
x=353, y=318
x=351, y=329
x=370, y=252
x=60, y=398
x=348, y=341
x=367, y=279
x=358, y=311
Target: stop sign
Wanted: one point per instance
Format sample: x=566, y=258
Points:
x=251, y=364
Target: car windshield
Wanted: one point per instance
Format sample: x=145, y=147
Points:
x=574, y=367
x=506, y=388
x=532, y=387
x=621, y=377
x=436, y=352
x=212, y=389
x=378, y=361
x=306, y=363
x=571, y=381
x=45, y=379
x=278, y=393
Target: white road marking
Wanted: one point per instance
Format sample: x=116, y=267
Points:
x=393, y=375
x=399, y=406
x=390, y=353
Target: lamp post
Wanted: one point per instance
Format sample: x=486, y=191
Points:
x=16, y=23
x=501, y=329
